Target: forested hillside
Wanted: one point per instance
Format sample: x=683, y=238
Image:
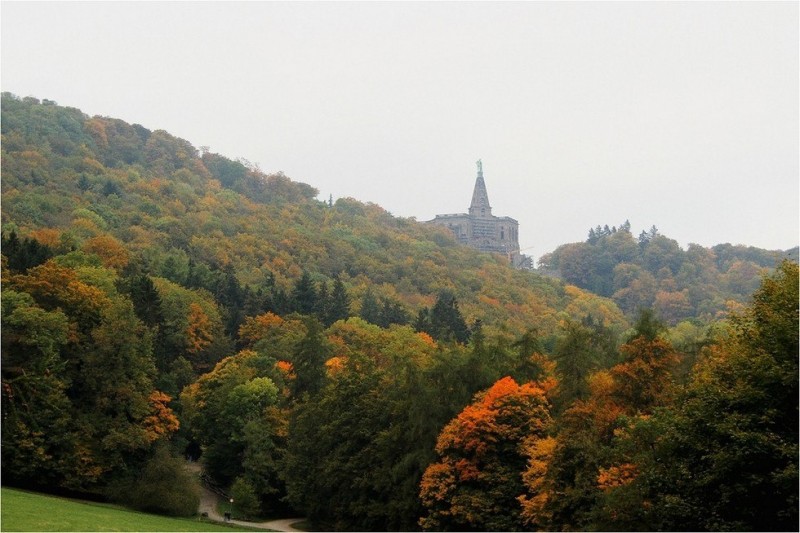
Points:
x=330, y=359
x=196, y=219
x=653, y=271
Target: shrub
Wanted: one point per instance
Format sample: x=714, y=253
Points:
x=244, y=497
x=163, y=486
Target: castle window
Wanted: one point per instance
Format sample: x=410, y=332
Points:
x=483, y=212
x=502, y=233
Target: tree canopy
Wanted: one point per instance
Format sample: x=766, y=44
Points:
x=365, y=370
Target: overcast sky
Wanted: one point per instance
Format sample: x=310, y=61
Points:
x=679, y=115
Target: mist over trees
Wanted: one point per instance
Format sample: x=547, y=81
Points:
x=328, y=359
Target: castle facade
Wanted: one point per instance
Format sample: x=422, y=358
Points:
x=481, y=230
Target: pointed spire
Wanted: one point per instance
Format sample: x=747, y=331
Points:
x=480, y=198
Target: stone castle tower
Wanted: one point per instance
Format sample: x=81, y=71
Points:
x=481, y=230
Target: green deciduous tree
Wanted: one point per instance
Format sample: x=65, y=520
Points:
x=38, y=426
x=328, y=449
x=233, y=413
x=90, y=359
x=724, y=456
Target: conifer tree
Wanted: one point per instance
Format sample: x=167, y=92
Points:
x=446, y=321
x=369, y=308
x=147, y=306
x=339, y=308
x=304, y=295
x=230, y=295
x=24, y=254
x=323, y=303
x=309, y=359
x=391, y=313
x=422, y=324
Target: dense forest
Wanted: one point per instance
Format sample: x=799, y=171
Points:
x=327, y=358
x=654, y=272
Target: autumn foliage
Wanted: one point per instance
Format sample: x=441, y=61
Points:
x=161, y=422
x=330, y=360
x=476, y=483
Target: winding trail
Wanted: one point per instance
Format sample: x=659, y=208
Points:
x=209, y=501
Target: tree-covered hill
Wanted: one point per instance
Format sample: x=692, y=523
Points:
x=653, y=271
x=194, y=218
x=136, y=267
x=327, y=358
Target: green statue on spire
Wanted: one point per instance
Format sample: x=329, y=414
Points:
x=480, y=166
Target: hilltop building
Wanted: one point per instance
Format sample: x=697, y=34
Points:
x=481, y=230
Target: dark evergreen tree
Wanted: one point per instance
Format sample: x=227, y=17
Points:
x=230, y=296
x=24, y=254
x=110, y=188
x=11, y=247
x=309, y=359
x=339, y=308
x=528, y=343
x=423, y=321
x=369, y=308
x=332, y=469
x=148, y=308
x=146, y=300
x=280, y=303
x=323, y=303
x=644, y=238
x=304, y=295
x=446, y=321
x=477, y=336
x=254, y=301
x=272, y=300
x=575, y=360
x=526, y=367
x=481, y=366
x=648, y=325
x=392, y=312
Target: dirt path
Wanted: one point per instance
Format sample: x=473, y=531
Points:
x=209, y=501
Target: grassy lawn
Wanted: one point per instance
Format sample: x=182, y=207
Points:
x=29, y=511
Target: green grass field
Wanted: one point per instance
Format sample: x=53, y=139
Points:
x=29, y=511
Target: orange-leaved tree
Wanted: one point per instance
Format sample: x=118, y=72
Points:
x=198, y=332
x=111, y=252
x=477, y=481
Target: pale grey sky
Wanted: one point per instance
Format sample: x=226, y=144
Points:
x=682, y=115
